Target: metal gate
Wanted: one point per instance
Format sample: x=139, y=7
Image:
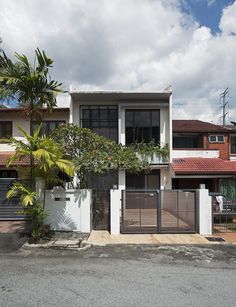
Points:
x=224, y=216
x=10, y=209
x=101, y=210
x=162, y=211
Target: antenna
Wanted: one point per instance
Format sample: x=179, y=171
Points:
x=224, y=104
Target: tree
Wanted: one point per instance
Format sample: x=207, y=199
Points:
x=47, y=154
x=30, y=84
x=47, y=158
x=92, y=153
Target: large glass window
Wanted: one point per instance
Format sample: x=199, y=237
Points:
x=47, y=126
x=5, y=129
x=142, y=126
x=102, y=120
x=233, y=144
x=142, y=181
x=186, y=140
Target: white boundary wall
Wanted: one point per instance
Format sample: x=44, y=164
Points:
x=115, y=211
x=69, y=210
x=205, y=212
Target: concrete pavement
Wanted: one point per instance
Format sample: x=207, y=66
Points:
x=120, y=276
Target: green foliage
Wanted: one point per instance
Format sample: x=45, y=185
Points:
x=92, y=153
x=30, y=84
x=26, y=193
x=32, y=207
x=47, y=154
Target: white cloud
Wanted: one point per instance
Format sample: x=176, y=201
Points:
x=129, y=44
x=228, y=20
x=211, y=2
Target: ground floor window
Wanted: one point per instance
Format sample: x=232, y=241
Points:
x=8, y=174
x=142, y=181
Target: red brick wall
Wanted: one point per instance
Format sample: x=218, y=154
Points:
x=222, y=147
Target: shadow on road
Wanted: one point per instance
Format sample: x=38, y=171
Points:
x=11, y=242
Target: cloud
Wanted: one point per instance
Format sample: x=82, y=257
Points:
x=211, y=2
x=129, y=45
x=228, y=20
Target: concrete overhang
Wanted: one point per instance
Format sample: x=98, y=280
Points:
x=119, y=95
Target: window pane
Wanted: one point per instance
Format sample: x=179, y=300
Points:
x=85, y=113
x=94, y=114
x=142, y=119
x=220, y=138
x=5, y=129
x=104, y=114
x=233, y=144
x=113, y=114
x=142, y=126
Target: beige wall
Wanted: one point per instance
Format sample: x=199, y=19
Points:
x=20, y=120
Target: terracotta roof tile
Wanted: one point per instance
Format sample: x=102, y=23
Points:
x=6, y=155
x=196, y=126
x=203, y=166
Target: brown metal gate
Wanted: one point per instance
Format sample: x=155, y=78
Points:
x=164, y=211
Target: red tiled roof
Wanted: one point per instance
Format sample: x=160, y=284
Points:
x=6, y=155
x=196, y=126
x=203, y=166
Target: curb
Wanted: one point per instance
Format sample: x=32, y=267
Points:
x=58, y=247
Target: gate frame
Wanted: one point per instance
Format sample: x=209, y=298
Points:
x=159, y=219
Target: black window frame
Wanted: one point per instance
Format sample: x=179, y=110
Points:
x=47, y=122
x=151, y=127
x=233, y=144
x=3, y=129
x=189, y=140
x=100, y=123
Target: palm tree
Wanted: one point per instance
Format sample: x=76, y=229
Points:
x=46, y=153
x=31, y=85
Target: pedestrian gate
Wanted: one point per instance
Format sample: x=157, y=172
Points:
x=162, y=211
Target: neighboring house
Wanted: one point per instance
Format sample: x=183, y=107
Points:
x=232, y=129
x=202, y=154
x=125, y=117
x=10, y=120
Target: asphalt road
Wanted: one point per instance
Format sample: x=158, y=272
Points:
x=120, y=276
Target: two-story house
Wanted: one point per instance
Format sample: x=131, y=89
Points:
x=125, y=117
x=202, y=154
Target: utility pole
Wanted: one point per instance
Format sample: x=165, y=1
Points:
x=224, y=104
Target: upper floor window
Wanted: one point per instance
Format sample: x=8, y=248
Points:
x=47, y=126
x=5, y=129
x=216, y=138
x=142, y=126
x=187, y=140
x=102, y=120
x=233, y=144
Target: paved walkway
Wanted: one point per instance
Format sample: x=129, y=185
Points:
x=104, y=237
x=14, y=226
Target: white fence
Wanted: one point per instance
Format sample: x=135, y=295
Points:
x=69, y=210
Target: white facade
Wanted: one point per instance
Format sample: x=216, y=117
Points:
x=137, y=101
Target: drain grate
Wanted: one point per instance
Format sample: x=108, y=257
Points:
x=215, y=239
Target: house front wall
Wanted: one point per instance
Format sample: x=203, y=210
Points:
x=18, y=119
x=222, y=147
x=136, y=104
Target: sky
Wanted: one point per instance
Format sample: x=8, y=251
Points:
x=140, y=45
